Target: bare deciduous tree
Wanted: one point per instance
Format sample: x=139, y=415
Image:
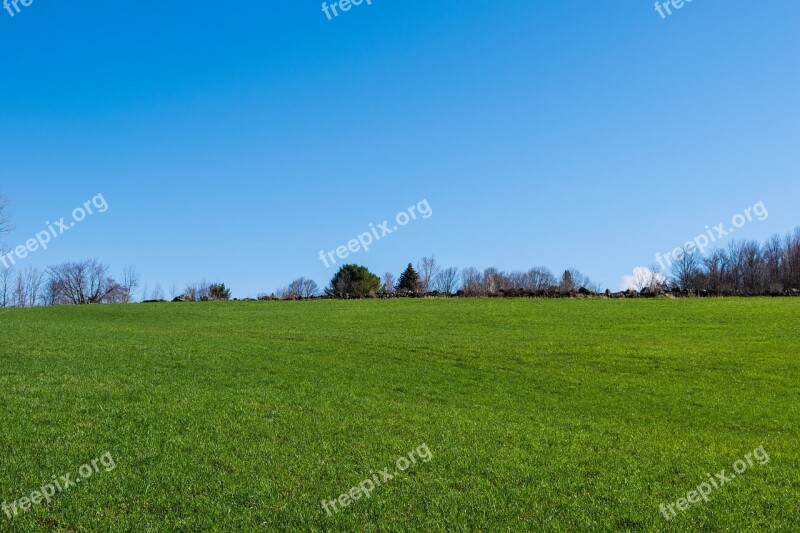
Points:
x=34, y=285
x=567, y=282
x=447, y=280
x=471, y=282
x=158, y=293
x=309, y=288
x=714, y=266
x=50, y=293
x=388, y=283
x=754, y=275
x=494, y=281
x=580, y=280
x=639, y=279
x=192, y=292
x=645, y=278
x=195, y=292
x=203, y=289
x=84, y=282
x=19, y=291
x=791, y=272
x=540, y=279
x=685, y=271
x=300, y=288
x=130, y=282
x=5, y=218
x=743, y=267
x=774, y=263
x=658, y=281
x=5, y=226
x=6, y=289
x=428, y=270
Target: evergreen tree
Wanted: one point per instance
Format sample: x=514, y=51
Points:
x=218, y=291
x=354, y=281
x=409, y=281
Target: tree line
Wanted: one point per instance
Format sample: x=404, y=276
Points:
x=743, y=268
x=91, y=282
x=429, y=278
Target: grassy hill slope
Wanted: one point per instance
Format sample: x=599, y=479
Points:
x=553, y=414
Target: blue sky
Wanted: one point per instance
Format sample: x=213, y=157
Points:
x=234, y=141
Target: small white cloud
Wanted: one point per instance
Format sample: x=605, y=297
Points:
x=640, y=278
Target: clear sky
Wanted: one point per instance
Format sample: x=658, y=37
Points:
x=235, y=140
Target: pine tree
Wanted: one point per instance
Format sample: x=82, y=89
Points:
x=218, y=291
x=409, y=281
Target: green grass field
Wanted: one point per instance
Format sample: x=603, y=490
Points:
x=558, y=415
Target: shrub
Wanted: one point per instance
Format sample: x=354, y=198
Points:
x=218, y=292
x=354, y=281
